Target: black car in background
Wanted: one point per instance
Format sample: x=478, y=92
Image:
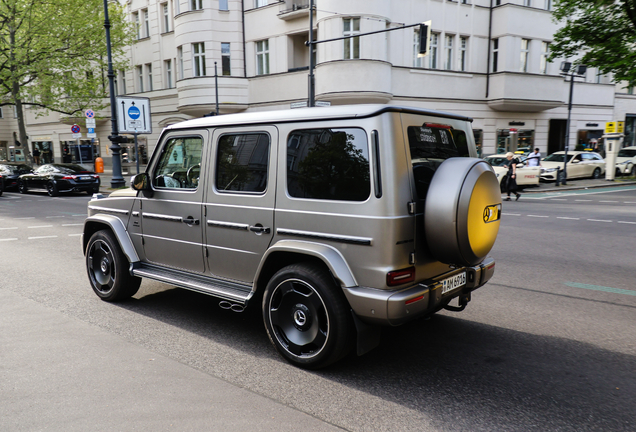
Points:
x=60, y=177
x=10, y=171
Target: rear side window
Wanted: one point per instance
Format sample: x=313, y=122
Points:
x=241, y=162
x=430, y=145
x=328, y=164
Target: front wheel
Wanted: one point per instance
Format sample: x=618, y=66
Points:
x=596, y=174
x=51, y=189
x=307, y=316
x=107, y=268
x=22, y=187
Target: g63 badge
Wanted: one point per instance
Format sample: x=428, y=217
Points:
x=492, y=213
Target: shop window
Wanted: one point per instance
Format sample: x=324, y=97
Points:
x=510, y=140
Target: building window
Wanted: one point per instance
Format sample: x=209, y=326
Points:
x=262, y=57
x=417, y=60
x=523, y=59
x=225, y=58
x=166, y=17
x=135, y=19
x=1, y=114
x=123, y=82
x=433, y=51
x=548, y=5
x=352, y=44
x=261, y=3
x=149, y=75
x=177, y=7
x=545, y=52
x=495, y=54
x=630, y=91
x=168, y=68
x=180, y=59
x=198, y=59
x=15, y=111
x=223, y=5
x=527, y=3
x=196, y=4
x=140, y=78
x=463, y=45
x=448, y=48
x=145, y=23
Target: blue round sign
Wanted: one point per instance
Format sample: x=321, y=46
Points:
x=75, y=129
x=133, y=112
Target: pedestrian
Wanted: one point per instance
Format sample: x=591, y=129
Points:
x=534, y=158
x=511, y=177
x=36, y=155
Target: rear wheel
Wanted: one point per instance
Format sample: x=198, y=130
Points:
x=596, y=174
x=51, y=189
x=22, y=187
x=107, y=268
x=307, y=316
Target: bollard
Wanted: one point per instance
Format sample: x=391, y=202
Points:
x=99, y=165
x=558, y=178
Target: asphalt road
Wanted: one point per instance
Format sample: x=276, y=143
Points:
x=548, y=345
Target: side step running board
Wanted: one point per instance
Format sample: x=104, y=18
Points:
x=226, y=290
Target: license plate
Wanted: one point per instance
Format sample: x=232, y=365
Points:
x=84, y=178
x=453, y=282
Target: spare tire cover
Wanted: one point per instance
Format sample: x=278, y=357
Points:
x=462, y=211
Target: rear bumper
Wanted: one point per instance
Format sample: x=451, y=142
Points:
x=376, y=306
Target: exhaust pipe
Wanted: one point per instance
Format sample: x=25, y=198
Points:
x=234, y=307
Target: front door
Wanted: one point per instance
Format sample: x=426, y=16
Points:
x=172, y=218
x=239, y=222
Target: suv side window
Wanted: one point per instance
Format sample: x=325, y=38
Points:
x=242, y=162
x=179, y=164
x=328, y=164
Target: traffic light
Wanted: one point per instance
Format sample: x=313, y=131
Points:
x=424, y=38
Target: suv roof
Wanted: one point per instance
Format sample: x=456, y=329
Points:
x=308, y=114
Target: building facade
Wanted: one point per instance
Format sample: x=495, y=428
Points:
x=487, y=60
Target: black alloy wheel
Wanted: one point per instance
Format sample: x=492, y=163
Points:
x=51, y=189
x=596, y=174
x=107, y=268
x=22, y=187
x=307, y=317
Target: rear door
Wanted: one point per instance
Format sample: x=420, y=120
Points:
x=171, y=218
x=239, y=207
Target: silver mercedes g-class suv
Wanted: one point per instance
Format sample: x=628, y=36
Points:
x=335, y=220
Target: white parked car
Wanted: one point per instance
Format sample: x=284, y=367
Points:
x=526, y=176
x=581, y=164
x=626, y=161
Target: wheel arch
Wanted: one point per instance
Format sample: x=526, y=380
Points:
x=116, y=226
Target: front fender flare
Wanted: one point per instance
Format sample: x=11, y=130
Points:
x=332, y=258
x=92, y=224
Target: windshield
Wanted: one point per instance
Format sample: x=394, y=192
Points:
x=557, y=157
x=627, y=153
x=497, y=161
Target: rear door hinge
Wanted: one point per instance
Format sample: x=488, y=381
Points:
x=412, y=207
x=412, y=258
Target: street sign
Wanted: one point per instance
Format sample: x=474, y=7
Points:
x=75, y=129
x=89, y=114
x=615, y=127
x=91, y=133
x=133, y=115
x=90, y=122
x=76, y=135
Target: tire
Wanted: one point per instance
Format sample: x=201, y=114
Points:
x=618, y=173
x=51, y=189
x=107, y=268
x=92, y=191
x=307, y=317
x=632, y=173
x=22, y=187
x=596, y=174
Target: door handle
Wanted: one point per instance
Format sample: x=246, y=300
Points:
x=190, y=221
x=260, y=229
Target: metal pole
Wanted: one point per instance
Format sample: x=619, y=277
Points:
x=216, y=88
x=567, y=131
x=117, y=180
x=136, y=151
x=312, y=89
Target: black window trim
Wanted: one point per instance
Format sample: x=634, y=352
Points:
x=155, y=162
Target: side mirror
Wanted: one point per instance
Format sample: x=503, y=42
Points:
x=141, y=182
x=576, y=161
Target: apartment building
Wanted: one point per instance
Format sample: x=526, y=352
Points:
x=487, y=60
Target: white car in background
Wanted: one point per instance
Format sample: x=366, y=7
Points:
x=581, y=164
x=626, y=161
x=526, y=176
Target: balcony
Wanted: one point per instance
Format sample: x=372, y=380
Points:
x=197, y=96
x=293, y=9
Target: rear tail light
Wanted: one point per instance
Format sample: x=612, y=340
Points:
x=95, y=176
x=69, y=177
x=399, y=277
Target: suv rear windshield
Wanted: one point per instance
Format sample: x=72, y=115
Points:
x=430, y=145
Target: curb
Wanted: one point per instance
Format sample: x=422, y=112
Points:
x=579, y=187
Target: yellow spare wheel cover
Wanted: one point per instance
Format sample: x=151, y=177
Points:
x=462, y=212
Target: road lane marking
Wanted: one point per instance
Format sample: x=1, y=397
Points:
x=633, y=223
x=583, y=200
x=80, y=224
x=8, y=228
x=601, y=288
x=41, y=237
x=52, y=217
x=558, y=199
x=608, y=201
x=568, y=218
x=538, y=216
x=511, y=214
x=599, y=220
x=73, y=235
x=41, y=226
x=83, y=214
x=8, y=239
x=629, y=202
x=24, y=218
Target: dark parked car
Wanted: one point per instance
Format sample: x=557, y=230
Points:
x=59, y=177
x=1, y=184
x=10, y=171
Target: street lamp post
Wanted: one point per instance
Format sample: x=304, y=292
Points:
x=117, y=180
x=567, y=70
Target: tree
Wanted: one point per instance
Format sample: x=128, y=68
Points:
x=53, y=55
x=601, y=32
